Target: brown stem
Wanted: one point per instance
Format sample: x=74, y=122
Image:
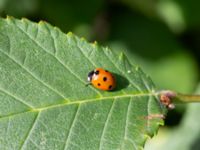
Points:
x=188, y=98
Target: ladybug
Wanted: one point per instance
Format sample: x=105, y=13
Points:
x=102, y=79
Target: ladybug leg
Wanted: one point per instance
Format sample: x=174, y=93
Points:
x=89, y=83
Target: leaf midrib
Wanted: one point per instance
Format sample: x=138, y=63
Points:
x=78, y=102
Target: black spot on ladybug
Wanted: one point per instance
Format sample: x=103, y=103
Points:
x=104, y=79
x=106, y=70
x=110, y=87
x=99, y=84
x=96, y=72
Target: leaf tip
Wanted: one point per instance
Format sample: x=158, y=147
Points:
x=122, y=56
x=9, y=17
x=95, y=43
x=83, y=39
x=24, y=19
x=147, y=136
x=70, y=34
x=42, y=22
x=161, y=123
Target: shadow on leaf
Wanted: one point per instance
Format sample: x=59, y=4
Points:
x=121, y=82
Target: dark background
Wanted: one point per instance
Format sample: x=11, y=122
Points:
x=162, y=36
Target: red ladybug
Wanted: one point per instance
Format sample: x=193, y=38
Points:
x=102, y=79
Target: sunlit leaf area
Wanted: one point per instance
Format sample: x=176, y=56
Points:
x=47, y=49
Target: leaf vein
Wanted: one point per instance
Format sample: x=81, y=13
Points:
x=78, y=103
x=56, y=49
x=106, y=125
x=30, y=131
x=16, y=98
x=113, y=65
x=148, y=112
x=127, y=120
x=36, y=145
x=82, y=52
x=46, y=85
x=65, y=66
x=71, y=128
x=8, y=127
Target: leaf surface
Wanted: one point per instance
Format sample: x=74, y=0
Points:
x=44, y=103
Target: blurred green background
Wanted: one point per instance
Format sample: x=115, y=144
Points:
x=161, y=36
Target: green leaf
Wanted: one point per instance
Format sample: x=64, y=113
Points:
x=44, y=103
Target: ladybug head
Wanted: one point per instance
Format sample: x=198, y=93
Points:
x=91, y=74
